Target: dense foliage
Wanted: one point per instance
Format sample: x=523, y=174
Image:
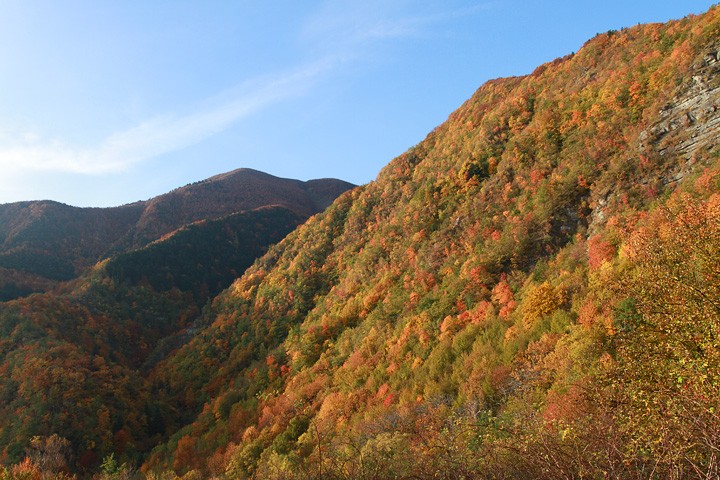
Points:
x=477, y=310
x=74, y=362
x=530, y=292
x=43, y=243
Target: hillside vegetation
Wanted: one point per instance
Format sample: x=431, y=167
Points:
x=75, y=360
x=530, y=292
x=43, y=243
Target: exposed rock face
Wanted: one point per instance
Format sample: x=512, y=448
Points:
x=688, y=123
x=685, y=128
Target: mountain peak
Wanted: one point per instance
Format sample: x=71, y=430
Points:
x=51, y=240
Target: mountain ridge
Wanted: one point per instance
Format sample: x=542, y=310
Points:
x=476, y=282
x=108, y=327
x=49, y=241
x=529, y=292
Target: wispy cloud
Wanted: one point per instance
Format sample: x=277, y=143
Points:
x=350, y=25
x=347, y=25
x=341, y=31
x=161, y=134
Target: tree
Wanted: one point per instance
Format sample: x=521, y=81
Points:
x=668, y=356
x=50, y=454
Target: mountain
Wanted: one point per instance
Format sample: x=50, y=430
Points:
x=530, y=292
x=44, y=242
x=81, y=353
x=77, y=356
x=243, y=189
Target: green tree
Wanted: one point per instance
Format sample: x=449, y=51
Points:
x=668, y=356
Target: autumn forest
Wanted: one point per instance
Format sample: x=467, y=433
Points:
x=532, y=291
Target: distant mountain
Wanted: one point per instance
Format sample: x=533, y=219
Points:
x=44, y=242
x=242, y=189
x=53, y=241
x=112, y=322
x=203, y=257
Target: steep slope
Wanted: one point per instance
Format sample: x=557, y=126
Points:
x=42, y=243
x=73, y=361
x=464, y=315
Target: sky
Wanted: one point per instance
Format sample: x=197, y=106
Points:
x=108, y=102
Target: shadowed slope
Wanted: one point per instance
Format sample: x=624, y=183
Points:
x=44, y=242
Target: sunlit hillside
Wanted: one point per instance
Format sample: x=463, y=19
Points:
x=530, y=292
x=533, y=291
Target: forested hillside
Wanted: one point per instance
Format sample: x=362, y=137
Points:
x=43, y=243
x=530, y=292
x=75, y=360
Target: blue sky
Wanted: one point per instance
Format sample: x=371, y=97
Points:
x=108, y=102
